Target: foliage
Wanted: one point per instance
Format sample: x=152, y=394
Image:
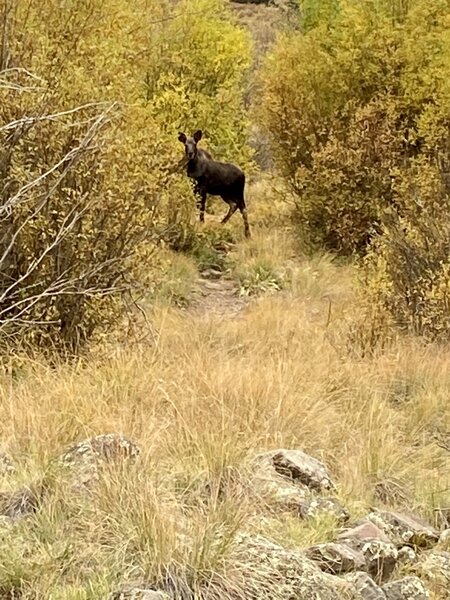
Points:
x=349, y=104
x=92, y=95
x=409, y=267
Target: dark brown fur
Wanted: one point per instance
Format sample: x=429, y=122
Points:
x=215, y=178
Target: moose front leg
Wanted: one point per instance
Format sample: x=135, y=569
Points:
x=201, y=203
x=202, y=206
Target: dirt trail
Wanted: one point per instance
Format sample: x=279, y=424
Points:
x=217, y=297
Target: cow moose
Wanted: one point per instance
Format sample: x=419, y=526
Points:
x=214, y=178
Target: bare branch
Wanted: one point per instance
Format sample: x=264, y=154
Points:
x=56, y=116
x=68, y=160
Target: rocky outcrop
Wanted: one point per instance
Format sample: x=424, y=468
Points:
x=365, y=586
x=292, y=480
x=336, y=558
x=404, y=529
x=434, y=567
x=299, y=466
x=409, y=588
x=379, y=553
x=283, y=573
x=359, y=565
x=105, y=447
x=85, y=459
x=315, y=507
x=366, y=530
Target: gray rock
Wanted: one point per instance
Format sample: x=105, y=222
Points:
x=299, y=466
x=365, y=586
x=409, y=588
x=435, y=568
x=271, y=571
x=364, y=531
x=108, y=447
x=336, y=558
x=22, y=502
x=380, y=554
x=138, y=591
x=405, y=529
x=319, y=506
x=85, y=459
x=381, y=559
x=276, y=490
x=6, y=464
x=406, y=555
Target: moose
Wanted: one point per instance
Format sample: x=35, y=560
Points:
x=214, y=178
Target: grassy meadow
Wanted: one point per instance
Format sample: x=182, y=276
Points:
x=201, y=395
x=327, y=331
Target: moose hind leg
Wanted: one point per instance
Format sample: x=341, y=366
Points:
x=231, y=211
x=244, y=214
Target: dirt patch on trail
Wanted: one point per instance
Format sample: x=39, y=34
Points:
x=217, y=297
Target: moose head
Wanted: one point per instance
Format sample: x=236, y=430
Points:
x=190, y=143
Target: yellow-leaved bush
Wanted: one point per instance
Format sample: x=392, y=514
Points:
x=92, y=96
x=343, y=104
x=407, y=270
x=357, y=108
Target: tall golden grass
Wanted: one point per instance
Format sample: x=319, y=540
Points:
x=201, y=398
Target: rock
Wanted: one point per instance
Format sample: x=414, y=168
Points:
x=336, y=558
x=381, y=559
x=6, y=464
x=270, y=571
x=409, y=588
x=211, y=273
x=108, y=447
x=299, y=466
x=276, y=489
x=22, y=502
x=405, y=529
x=380, y=554
x=364, y=531
x=444, y=538
x=365, y=586
x=318, y=506
x=84, y=459
x=407, y=556
x=435, y=568
x=138, y=592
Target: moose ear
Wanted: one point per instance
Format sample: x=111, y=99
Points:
x=182, y=137
x=198, y=135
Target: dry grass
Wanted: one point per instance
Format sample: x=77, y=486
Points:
x=201, y=401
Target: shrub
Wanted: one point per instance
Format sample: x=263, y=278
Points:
x=349, y=104
x=408, y=268
x=92, y=95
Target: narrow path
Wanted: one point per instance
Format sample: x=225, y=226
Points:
x=217, y=297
